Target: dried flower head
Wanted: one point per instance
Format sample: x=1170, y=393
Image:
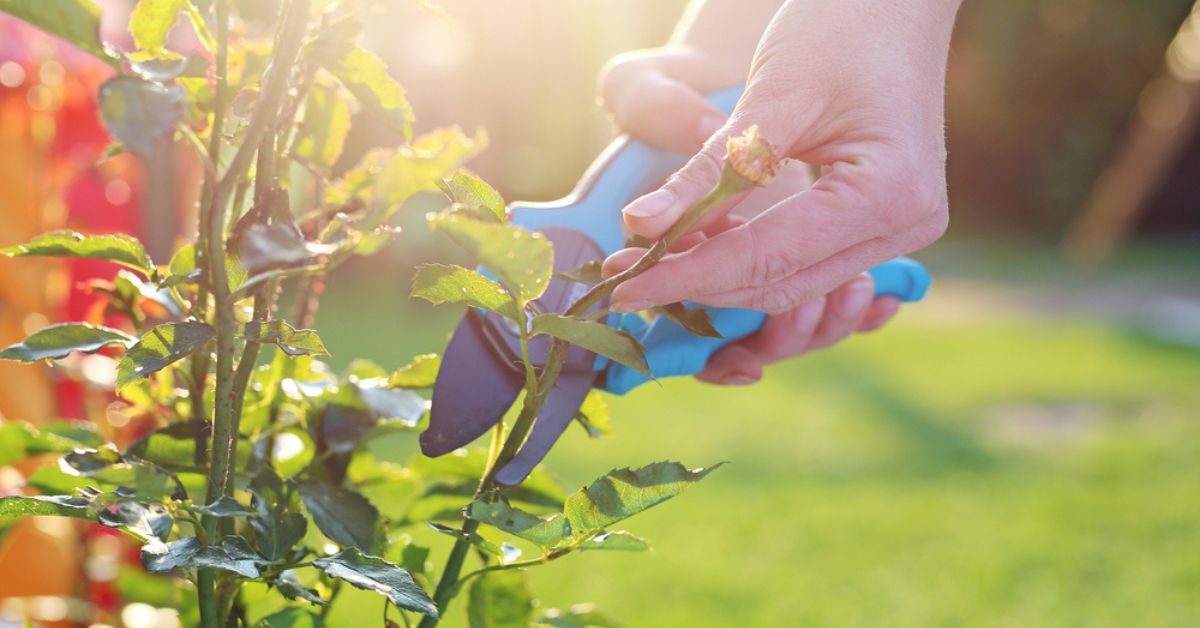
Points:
x=752, y=157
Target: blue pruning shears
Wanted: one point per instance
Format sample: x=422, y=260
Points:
x=480, y=375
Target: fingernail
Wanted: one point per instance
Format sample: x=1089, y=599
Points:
x=709, y=125
x=857, y=297
x=632, y=306
x=738, y=379
x=651, y=205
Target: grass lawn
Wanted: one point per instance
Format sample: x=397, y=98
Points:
x=1003, y=472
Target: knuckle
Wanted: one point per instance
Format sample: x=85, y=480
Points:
x=913, y=193
x=777, y=299
x=702, y=171
x=771, y=260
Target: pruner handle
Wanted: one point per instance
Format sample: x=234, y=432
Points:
x=672, y=350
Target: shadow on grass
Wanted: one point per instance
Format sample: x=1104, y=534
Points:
x=937, y=448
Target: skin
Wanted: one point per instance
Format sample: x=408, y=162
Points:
x=854, y=87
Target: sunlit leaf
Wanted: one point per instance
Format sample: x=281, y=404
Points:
x=442, y=283
x=421, y=166
x=595, y=337
x=363, y=73
x=693, y=319
x=500, y=600
x=160, y=347
x=342, y=515
x=141, y=114
x=114, y=247
x=76, y=21
x=322, y=131
x=420, y=373
x=616, y=541
x=58, y=341
x=474, y=193
x=543, y=532
x=292, y=341
x=593, y=415
x=521, y=260
x=277, y=244
x=587, y=273
x=625, y=492
x=150, y=22
x=378, y=575
x=45, y=506
x=20, y=440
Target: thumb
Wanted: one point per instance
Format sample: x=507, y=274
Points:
x=651, y=215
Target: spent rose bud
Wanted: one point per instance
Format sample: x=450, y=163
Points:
x=752, y=157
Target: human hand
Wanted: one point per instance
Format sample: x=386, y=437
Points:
x=853, y=86
x=651, y=94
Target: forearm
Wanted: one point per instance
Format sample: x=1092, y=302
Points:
x=726, y=30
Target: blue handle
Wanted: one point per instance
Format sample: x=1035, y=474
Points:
x=626, y=170
x=673, y=350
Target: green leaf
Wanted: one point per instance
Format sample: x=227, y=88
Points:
x=693, y=319
x=420, y=373
x=595, y=337
x=141, y=114
x=280, y=523
x=58, y=341
x=293, y=618
x=322, y=132
x=594, y=416
x=114, y=247
x=150, y=22
x=160, y=347
x=278, y=244
x=174, y=446
x=20, y=440
x=500, y=599
x=145, y=521
x=544, y=533
x=474, y=193
x=88, y=461
x=232, y=554
x=225, y=506
x=76, y=21
x=578, y=616
x=45, y=506
x=522, y=260
x=289, y=585
x=421, y=166
x=618, y=541
x=363, y=73
x=292, y=341
x=466, y=466
x=623, y=493
x=589, y=273
x=474, y=538
x=342, y=515
x=378, y=575
x=442, y=283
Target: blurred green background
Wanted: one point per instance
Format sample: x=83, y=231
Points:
x=1022, y=449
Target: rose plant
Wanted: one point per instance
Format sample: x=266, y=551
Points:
x=256, y=469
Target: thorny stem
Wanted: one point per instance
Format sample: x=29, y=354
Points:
x=206, y=578
x=730, y=184
x=222, y=455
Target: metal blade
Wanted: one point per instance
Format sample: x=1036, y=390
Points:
x=559, y=409
x=473, y=390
